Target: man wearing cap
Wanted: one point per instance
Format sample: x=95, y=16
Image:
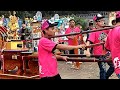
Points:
x=113, y=44
x=47, y=60
x=97, y=37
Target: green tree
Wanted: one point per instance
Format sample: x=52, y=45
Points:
x=82, y=21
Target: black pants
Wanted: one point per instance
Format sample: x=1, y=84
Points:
x=62, y=50
x=54, y=77
x=71, y=52
x=105, y=74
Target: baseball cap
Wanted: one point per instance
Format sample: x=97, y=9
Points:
x=98, y=17
x=47, y=24
x=118, y=14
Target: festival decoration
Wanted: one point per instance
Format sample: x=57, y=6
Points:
x=13, y=26
x=38, y=16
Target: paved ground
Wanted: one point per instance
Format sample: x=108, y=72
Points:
x=88, y=70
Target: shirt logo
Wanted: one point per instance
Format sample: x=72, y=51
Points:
x=116, y=62
x=102, y=36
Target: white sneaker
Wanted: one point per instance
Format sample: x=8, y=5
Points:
x=73, y=66
x=68, y=62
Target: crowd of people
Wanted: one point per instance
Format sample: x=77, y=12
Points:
x=75, y=44
x=48, y=62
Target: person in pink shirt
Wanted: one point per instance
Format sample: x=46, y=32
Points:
x=47, y=60
x=113, y=44
x=97, y=37
x=73, y=29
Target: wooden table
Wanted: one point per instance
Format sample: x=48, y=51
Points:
x=30, y=62
x=13, y=59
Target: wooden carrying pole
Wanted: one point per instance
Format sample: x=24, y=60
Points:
x=85, y=60
x=81, y=55
x=82, y=32
x=30, y=57
x=97, y=44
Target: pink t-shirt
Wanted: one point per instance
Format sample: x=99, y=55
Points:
x=46, y=59
x=68, y=31
x=113, y=44
x=97, y=37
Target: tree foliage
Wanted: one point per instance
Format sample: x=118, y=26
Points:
x=82, y=21
x=23, y=14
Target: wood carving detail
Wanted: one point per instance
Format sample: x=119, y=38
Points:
x=33, y=66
